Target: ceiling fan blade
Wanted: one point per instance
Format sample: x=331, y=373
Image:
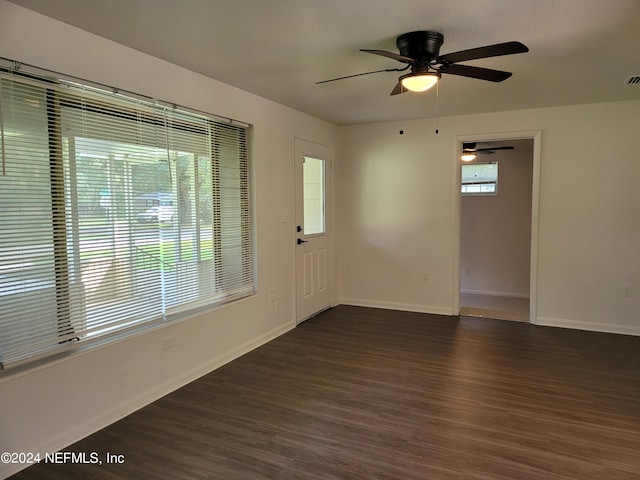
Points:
x=470, y=147
x=495, y=149
x=507, y=48
x=359, y=75
x=398, y=89
x=476, y=72
x=395, y=56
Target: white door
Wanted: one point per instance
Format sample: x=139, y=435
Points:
x=314, y=252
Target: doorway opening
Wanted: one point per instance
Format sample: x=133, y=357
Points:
x=498, y=195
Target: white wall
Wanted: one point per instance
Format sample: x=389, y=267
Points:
x=396, y=216
x=496, y=229
x=47, y=408
x=398, y=201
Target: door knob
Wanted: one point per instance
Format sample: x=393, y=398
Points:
x=301, y=241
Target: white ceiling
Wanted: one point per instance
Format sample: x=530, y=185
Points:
x=581, y=51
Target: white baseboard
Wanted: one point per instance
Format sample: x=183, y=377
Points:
x=131, y=405
x=589, y=326
x=541, y=321
x=495, y=294
x=406, y=307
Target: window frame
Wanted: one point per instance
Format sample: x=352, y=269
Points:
x=314, y=196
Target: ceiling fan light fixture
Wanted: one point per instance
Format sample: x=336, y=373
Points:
x=419, y=82
x=468, y=156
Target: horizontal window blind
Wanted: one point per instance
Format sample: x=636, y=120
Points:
x=115, y=213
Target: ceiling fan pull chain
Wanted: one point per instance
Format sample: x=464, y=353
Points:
x=437, y=105
x=401, y=112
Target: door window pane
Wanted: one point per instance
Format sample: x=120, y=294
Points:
x=313, y=195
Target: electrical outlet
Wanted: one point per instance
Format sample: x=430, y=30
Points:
x=168, y=342
x=276, y=307
x=466, y=271
x=627, y=290
x=272, y=294
x=424, y=276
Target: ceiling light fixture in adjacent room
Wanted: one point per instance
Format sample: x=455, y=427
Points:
x=468, y=157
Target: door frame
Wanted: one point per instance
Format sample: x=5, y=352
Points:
x=536, y=136
x=329, y=218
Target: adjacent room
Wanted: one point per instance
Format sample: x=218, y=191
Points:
x=319, y=240
x=495, y=229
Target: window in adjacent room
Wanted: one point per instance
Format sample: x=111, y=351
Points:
x=480, y=179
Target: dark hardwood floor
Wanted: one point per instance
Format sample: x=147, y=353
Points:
x=359, y=393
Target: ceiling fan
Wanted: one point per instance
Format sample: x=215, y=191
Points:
x=420, y=51
x=471, y=147
x=470, y=150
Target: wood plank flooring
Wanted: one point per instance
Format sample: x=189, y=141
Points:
x=358, y=393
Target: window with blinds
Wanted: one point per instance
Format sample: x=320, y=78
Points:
x=115, y=213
